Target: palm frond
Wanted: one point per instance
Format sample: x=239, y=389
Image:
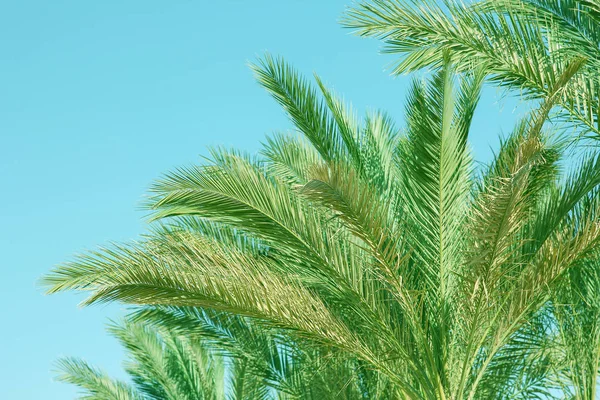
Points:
x=522, y=45
x=94, y=383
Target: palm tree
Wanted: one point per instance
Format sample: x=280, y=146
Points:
x=385, y=251
x=523, y=45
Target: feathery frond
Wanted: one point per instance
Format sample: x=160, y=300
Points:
x=351, y=259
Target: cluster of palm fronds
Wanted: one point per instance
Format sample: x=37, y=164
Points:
x=351, y=259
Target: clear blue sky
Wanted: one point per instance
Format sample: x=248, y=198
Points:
x=98, y=98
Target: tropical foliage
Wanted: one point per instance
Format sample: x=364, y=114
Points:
x=521, y=44
x=351, y=259
x=190, y=354
x=187, y=353
x=162, y=366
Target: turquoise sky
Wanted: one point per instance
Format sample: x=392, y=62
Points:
x=98, y=98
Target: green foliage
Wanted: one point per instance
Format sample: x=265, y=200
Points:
x=355, y=260
x=162, y=365
x=524, y=45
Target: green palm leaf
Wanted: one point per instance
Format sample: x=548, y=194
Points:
x=351, y=259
